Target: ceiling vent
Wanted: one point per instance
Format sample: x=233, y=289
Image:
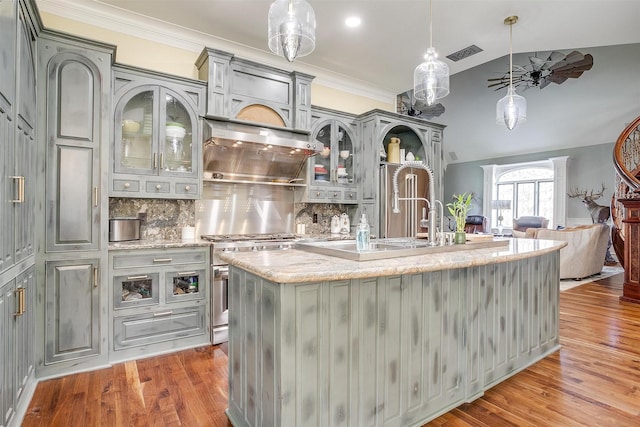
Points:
x=464, y=53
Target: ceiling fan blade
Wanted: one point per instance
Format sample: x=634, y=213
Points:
x=554, y=57
x=537, y=63
x=557, y=79
x=544, y=83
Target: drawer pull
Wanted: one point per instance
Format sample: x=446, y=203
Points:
x=335, y=194
x=162, y=259
x=317, y=194
x=187, y=273
x=127, y=185
x=163, y=313
x=159, y=187
x=137, y=277
x=187, y=188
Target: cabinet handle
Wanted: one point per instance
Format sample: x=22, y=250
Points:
x=351, y=195
x=163, y=313
x=95, y=277
x=95, y=196
x=158, y=187
x=187, y=188
x=335, y=194
x=162, y=259
x=127, y=185
x=20, y=191
x=155, y=160
x=20, y=295
x=137, y=277
x=317, y=194
x=161, y=160
x=187, y=273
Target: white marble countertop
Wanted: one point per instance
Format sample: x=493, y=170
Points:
x=297, y=266
x=157, y=244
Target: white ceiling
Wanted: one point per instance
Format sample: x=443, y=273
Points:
x=378, y=58
x=394, y=34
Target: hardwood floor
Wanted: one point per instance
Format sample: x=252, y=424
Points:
x=594, y=380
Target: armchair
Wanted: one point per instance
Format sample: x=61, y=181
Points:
x=522, y=224
x=476, y=224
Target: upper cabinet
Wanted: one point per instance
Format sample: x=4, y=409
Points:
x=333, y=175
x=157, y=149
x=235, y=84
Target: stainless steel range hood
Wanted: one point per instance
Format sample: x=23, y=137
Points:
x=237, y=151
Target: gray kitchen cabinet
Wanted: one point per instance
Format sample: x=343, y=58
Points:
x=74, y=105
x=332, y=175
x=423, y=139
x=157, y=149
x=17, y=135
x=17, y=330
x=252, y=92
x=72, y=309
x=76, y=99
x=159, y=300
x=17, y=206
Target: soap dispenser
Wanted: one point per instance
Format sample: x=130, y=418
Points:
x=362, y=234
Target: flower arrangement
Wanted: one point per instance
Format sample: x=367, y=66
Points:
x=458, y=208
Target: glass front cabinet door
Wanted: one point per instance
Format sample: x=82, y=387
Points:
x=157, y=134
x=332, y=173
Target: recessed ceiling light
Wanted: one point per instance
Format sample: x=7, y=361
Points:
x=353, y=21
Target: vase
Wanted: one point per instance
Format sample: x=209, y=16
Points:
x=460, y=238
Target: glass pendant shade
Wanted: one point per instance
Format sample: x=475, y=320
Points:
x=431, y=78
x=511, y=110
x=292, y=28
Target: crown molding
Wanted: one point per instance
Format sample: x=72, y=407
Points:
x=122, y=21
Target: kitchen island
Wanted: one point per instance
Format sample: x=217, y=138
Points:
x=318, y=340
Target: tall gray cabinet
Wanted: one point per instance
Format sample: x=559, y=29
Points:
x=74, y=110
x=18, y=32
x=422, y=138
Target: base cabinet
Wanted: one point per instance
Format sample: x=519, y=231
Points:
x=72, y=309
x=17, y=329
x=159, y=300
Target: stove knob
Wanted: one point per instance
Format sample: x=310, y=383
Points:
x=254, y=248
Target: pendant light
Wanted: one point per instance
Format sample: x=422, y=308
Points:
x=512, y=109
x=431, y=78
x=292, y=28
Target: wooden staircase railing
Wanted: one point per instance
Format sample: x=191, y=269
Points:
x=625, y=209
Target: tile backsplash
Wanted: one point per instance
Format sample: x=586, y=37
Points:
x=163, y=220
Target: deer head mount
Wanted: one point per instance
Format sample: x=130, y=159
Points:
x=576, y=192
x=598, y=213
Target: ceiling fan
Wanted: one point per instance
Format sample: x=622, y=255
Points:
x=557, y=68
x=408, y=105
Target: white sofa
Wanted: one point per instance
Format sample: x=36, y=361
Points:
x=585, y=253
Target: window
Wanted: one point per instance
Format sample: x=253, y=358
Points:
x=530, y=191
x=531, y=188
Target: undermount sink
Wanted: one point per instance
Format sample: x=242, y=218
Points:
x=388, y=248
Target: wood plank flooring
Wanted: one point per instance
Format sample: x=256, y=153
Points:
x=594, y=380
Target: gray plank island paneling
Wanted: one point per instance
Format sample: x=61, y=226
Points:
x=390, y=349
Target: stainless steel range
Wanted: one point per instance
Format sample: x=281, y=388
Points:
x=220, y=271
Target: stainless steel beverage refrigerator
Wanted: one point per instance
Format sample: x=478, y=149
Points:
x=413, y=183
